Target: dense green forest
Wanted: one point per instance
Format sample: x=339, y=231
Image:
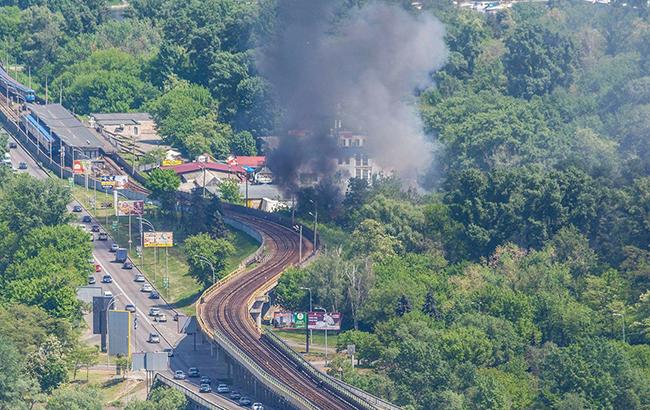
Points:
x=519, y=279
x=522, y=279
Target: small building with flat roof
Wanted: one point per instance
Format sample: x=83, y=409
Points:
x=61, y=134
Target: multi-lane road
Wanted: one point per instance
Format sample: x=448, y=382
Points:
x=127, y=291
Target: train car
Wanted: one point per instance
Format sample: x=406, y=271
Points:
x=15, y=88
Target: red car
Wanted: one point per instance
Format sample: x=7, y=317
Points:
x=98, y=267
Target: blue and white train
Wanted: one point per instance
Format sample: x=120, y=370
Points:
x=14, y=88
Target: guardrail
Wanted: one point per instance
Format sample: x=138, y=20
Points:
x=193, y=396
x=354, y=395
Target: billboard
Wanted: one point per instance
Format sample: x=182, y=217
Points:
x=290, y=320
x=171, y=162
x=158, y=239
x=126, y=208
x=119, y=332
x=324, y=321
x=115, y=181
x=81, y=166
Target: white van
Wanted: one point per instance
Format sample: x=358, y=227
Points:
x=7, y=159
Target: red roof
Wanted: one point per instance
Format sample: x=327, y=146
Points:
x=253, y=162
x=212, y=166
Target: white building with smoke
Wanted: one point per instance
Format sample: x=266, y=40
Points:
x=353, y=159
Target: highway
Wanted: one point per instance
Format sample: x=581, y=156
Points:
x=227, y=310
x=126, y=291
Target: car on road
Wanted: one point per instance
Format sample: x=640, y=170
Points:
x=12, y=145
x=205, y=388
x=98, y=267
x=170, y=351
x=86, y=219
x=245, y=401
x=205, y=380
x=103, y=236
x=154, y=311
x=193, y=372
x=160, y=318
x=82, y=227
x=76, y=208
x=223, y=388
x=107, y=279
x=91, y=280
x=108, y=294
x=179, y=375
x=139, y=278
x=115, y=247
x=95, y=228
x=146, y=288
x=22, y=165
x=127, y=265
x=258, y=406
x=154, y=295
x=154, y=338
x=235, y=395
x=130, y=308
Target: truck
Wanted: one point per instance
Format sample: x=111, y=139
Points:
x=121, y=255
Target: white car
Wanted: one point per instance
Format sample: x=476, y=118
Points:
x=161, y=317
x=139, y=278
x=258, y=406
x=154, y=311
x=223, y=388
x=108, y=294
x=146, y=288
x=179, y=375
x=82, y=227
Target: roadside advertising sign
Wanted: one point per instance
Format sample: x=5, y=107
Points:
x=71, y=182
x=158, y=239
x=115, y=181
x=126, y=208
x=81, y=166
x=324, y=321
x=289, y=320
x=171, y=162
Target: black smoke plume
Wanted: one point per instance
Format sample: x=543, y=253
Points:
x=360, y=64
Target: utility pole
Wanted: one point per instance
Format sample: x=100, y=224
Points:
x=308, y=331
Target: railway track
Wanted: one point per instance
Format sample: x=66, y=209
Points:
x=227, y=312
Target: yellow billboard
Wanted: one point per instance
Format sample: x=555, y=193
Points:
x=171, y=162
x=158, y=239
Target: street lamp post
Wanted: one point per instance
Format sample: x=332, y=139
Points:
x=149, y=224
x=205, y=260
x=118, y=216
x=324, y=311
x=308, y=332
x=315, y=215
x=298, y=228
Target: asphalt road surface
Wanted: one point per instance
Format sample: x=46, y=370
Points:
x=187, y=353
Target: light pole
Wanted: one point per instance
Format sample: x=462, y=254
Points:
x=315, y=215
x=308, y=332
x=325, y=312
x=149, y=224
x=118, y=216
x=622, y=316
x=204, y=259
x=298, y=228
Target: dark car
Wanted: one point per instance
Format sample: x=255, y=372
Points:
x=205, y=388
x=76, y=208
x=235, y=395
x=13, y=145
x=86, y=219
x=245, y=401
x=95, y=228
x=107, y=279
x=193, y=372
x=205, y=380
x=22, y=165
x=154, y=295
x=127, y=265
x=103, y=236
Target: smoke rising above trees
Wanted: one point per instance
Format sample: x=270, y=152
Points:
x=360, y=65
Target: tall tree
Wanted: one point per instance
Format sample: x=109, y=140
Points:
x=163, y=184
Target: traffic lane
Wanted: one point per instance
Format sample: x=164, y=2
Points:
x=214, y=397
x=19, y=154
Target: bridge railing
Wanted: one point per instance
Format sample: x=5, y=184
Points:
x=192, y=395
x=360, y=398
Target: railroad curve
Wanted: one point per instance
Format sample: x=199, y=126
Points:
x=227, y=311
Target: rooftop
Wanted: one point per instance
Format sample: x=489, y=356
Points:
x=213, y=166
x=250, y=161
x=120, y=118
x=66, y=126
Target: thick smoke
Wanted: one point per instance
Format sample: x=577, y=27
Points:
x=362, y=67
